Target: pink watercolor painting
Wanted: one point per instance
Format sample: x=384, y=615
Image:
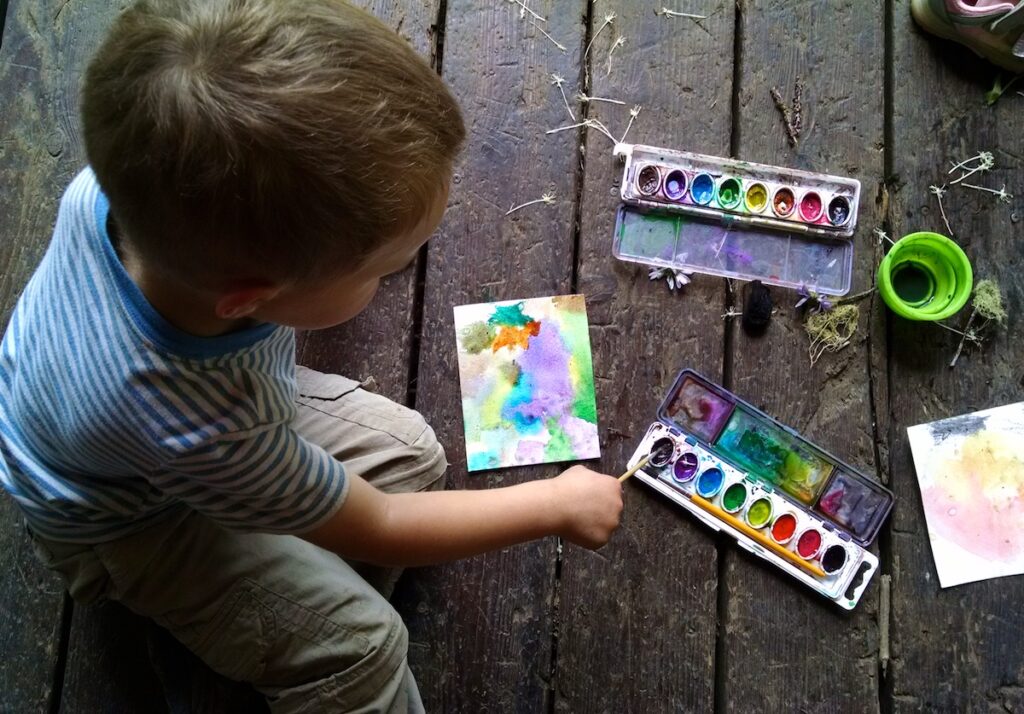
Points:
x=971, y=472
x=527, y=382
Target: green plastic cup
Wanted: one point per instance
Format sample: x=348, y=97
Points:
x=925, y=276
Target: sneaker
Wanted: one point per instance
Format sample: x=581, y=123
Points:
x=992, y=28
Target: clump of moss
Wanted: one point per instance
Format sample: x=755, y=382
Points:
x=831, y=330
x=988, y=301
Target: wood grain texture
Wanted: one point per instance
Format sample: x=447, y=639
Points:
x=637, y=619
x=824, y=659
x=39, y=153
x=956, y=649
x=480, y=641
x=378, y=343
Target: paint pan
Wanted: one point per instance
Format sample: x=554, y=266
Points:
x=686, y=467
x=708, y=443
x=675, y=185
x=808, y=544
x=811, y=206
x=784, y=528
x=662, y=452
x=759, y=512
x=648, y=180
x=702, y=190
x=834, y=558
x=730, y=193
x=710, y=482
x=734, y=497
x=757, y=198
x=783, y=202
x=718, y=191
x=839, y=210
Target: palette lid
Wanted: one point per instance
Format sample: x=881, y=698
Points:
x=731, y=250
x=778, y=456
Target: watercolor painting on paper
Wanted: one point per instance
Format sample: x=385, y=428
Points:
x=527, y=382
x=971, y=472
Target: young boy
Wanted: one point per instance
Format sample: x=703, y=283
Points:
x=256, y=166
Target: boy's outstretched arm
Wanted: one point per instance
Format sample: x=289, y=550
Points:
x=408, y=529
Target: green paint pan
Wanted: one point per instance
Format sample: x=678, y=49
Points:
x=925, y=276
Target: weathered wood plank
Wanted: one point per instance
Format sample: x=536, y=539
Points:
x=827, y=658
x=38, y=156
x=378, y=343
x=956, y=649
x=482, y=642
x=637, y=621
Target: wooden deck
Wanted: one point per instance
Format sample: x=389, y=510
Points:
x=667, y=617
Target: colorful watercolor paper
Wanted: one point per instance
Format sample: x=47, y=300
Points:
x=527, y=382
x=971, y=472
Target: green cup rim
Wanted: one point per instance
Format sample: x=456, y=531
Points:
x=962, y=266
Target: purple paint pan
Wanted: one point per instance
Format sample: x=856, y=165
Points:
x=675, y=185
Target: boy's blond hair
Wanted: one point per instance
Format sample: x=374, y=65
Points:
x=264, y=138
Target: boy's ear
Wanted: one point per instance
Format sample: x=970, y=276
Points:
x=243, y=298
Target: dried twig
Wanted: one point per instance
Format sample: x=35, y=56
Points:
x=547, y=198
x=786, y=118
x=633, y=113
x=559, y=81
x=939, y=192
x=798, y=108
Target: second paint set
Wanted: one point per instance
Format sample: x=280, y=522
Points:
x=736, y=219
x=781, y=497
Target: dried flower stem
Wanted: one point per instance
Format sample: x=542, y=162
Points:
x=559, y=81
x=939, y=192
x=985, y=161
x=599, y=125
x=585, y=122
x=581, y=97
x=881, y=235
x=547, y=198
x=608, y=19
x=619, y=42
x=589, y=123
x=556, y=43
x=674, y=13
x=633, y=113
x=524, y=9
x=1001, y=193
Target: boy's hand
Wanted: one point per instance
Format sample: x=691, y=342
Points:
x=590, y=504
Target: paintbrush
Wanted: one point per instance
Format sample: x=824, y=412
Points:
x=757, y=535
x=639, y=465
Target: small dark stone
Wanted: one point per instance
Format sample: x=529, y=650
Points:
x=757, y=308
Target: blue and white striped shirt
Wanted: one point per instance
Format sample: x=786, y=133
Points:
x=109, y=415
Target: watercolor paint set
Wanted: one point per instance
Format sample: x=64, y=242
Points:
x=736, y=219
x=781, y=497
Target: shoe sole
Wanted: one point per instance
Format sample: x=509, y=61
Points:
x=927, y=19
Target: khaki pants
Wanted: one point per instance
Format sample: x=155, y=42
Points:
x=302, y=625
